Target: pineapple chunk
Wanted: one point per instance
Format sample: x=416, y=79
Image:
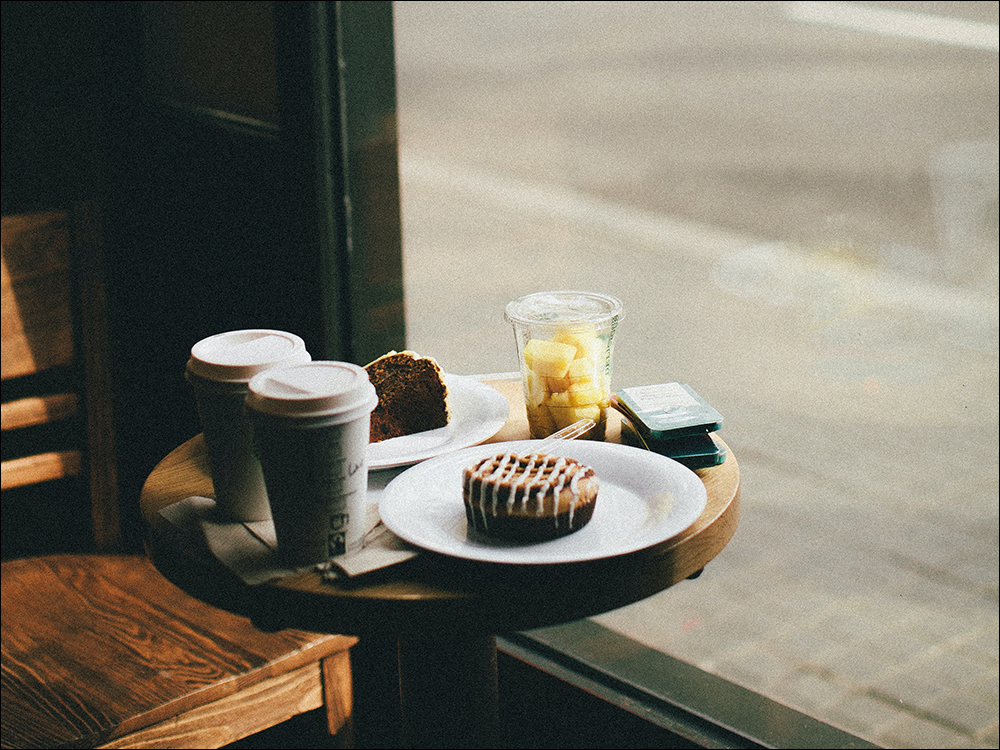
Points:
x=557, y=385
x=559, y=400
x=588, y=345
x=535, y=391
x=565, y=416
x=581, y=371
x=540, y=422
x=549, y=359
x=585, y=396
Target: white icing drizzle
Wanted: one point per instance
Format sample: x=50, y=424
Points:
x=539, y=475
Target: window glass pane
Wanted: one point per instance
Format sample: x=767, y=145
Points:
x=797, y=204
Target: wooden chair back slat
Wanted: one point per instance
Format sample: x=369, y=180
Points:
x=41, y=467
x=38, y=410
x=37, y=293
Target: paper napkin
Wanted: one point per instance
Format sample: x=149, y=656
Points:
x=250, y=549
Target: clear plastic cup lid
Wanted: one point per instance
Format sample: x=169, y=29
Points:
x=314, y=389
x=565, y=309
x=236, y=356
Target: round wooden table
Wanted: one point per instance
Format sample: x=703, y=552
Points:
x=444, y=612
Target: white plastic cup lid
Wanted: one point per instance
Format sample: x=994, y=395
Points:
x=565, y=309
x=315, y=389
x=237, y=356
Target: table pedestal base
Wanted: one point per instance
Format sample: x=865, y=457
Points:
x=448, y=691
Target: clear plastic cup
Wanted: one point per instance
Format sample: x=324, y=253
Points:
x=565, y=346
x=311, y=428
x=219, y=370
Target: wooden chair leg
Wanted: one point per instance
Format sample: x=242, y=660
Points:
x=338, y=697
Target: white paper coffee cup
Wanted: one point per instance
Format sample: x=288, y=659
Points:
x=311, y=429
x=219, y=370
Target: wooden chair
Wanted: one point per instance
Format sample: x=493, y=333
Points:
x=99, y=649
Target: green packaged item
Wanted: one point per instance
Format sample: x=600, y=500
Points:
x=667, y=410
x=693, y=451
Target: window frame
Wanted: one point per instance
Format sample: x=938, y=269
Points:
x=670, y=694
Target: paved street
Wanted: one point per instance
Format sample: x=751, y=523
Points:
x=766, y=196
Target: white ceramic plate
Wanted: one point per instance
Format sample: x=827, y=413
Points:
x=478, y=411
x=644, y=498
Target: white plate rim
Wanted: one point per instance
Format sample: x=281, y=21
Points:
x=686, y=488
x=478, y=410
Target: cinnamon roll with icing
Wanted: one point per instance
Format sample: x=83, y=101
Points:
x=528, y=498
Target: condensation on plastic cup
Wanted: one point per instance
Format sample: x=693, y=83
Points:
x=565, y=349
x=311, y=428
x=219, y=370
